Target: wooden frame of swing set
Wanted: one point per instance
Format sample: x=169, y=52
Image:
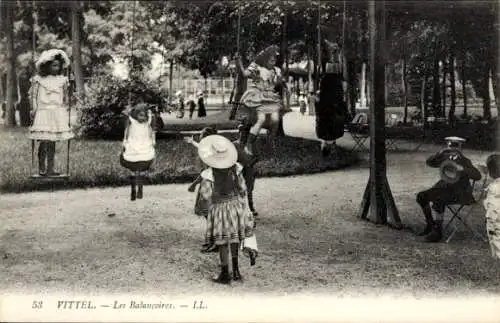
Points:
x=36, y=175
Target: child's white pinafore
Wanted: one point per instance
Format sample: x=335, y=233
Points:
x=51, y=120
x=492, y=205
x=139, y=145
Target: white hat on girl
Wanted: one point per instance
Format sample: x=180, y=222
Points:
x=49, y=55
x=217, y=151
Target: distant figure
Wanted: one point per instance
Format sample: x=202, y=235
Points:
x=180, y=104
x=50, y=109
x=202, y=112
x=303, y=103
x=191, y=105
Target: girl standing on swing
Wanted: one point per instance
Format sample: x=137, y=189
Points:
x=261, y=94
x=50, y=107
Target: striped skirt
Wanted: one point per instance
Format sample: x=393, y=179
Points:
x=229, y=221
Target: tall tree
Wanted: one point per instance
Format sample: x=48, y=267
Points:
x=77, y=53
x=8, y=18
x=378, y=197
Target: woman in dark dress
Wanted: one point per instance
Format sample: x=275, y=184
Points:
x=202, y=112
x=331, y=111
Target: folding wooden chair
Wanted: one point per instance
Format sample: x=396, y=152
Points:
x=359, y=131
x=460, y=213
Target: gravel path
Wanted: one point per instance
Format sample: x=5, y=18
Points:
x=98, y=241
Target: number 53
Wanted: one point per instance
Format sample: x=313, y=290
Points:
x=37, y=304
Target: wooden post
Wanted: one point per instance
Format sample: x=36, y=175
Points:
x=318, y=44
x=77, y=55
x=377, y=197
x=170, y=80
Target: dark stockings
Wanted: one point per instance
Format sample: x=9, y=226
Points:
x=224, y=276
x=136, y=181
x=46, y=156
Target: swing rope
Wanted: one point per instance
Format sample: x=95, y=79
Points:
x=235, y=104
x=33, y=65
x=319, y=40
x=132, y=62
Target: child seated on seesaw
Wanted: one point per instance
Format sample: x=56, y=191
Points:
x=138, y=146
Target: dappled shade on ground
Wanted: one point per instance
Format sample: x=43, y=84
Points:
x=310, y=241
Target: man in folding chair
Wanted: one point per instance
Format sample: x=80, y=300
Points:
x=454, y=188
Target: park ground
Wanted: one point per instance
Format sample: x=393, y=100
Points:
x=310, y=239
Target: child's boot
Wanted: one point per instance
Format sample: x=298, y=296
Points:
x=253, y=257
x=250, y=145
x=51, y=153
x=236, y=269
x=139, y=186
x=224, y=277
x=132, y=188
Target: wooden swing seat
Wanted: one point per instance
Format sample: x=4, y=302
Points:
x=47, y=178
x=62, y=176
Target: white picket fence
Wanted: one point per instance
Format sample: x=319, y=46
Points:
x=191, y=86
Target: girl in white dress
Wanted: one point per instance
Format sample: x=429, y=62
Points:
x=50, y=109
x=492, y=205
x=138, y=147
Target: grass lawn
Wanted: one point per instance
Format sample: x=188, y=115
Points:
x=96, y=162
x=219, y=118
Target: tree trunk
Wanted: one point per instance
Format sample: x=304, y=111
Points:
x=464, y=85
x=170, y=85
x=378, y=198
x=2, y=94
x=486, y=94
x=405, y=91
x=386, y=82
x=453, y=99
x=77, y=53
x=24, y=102
x=443, y=86
x=436, y=91
x=351, y=72
x=10, y=112
x=362, y=88
x=424, y=97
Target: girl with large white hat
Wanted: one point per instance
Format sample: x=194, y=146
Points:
x=230, y=221
x=50, y=107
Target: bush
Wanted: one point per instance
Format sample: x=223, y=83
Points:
x=107, y=97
